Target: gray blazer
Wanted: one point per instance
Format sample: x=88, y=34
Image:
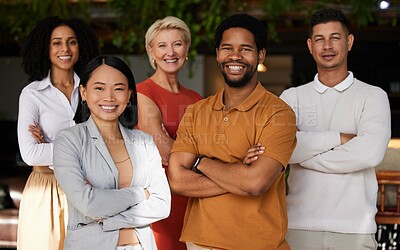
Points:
x=87, y=174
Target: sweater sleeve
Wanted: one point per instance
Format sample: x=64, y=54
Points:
x=367, y=148
x=309, y=144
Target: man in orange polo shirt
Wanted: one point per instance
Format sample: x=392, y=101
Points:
x=233, y=205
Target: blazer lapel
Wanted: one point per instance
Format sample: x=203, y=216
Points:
x=98, y=141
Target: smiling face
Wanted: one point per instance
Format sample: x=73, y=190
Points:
x=329, y=46
x=169, y=50
x=237, y=57
x=106, y=94
x=64, y=48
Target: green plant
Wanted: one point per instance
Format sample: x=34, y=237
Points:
x=133, y=17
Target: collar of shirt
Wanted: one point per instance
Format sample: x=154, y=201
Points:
x=249, y=102
x=346, y=83
x=46, y=82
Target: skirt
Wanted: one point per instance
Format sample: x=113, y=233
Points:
x=42, y=213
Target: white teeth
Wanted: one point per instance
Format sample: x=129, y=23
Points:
x=108, y=107
x=171, y=60
x=65, y=57
x=235, y=67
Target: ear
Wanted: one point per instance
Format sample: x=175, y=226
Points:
x=261, y=56
x=309, y=42
x=350, y=41
x=82, y=91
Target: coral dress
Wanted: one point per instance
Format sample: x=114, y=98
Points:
x=172, y=107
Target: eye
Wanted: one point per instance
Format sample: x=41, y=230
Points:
x=162, y=46
x=177, y=44
x=120, y=89
x=99, y=88
x=56, y=43
x=73, y=42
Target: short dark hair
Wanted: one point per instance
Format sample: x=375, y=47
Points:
x=129, y=117
x=328, y=15
x=35, y=47
x=244, y=21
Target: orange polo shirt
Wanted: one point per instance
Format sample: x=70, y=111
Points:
x=231, y=221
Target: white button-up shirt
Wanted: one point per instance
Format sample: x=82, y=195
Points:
x=40, y=101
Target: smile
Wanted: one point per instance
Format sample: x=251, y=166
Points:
x=171, y=60
x=64, y=58
x=235, y=68
x=108, y=108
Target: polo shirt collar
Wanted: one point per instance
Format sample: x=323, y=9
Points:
x=248, y=103
x=345, y=84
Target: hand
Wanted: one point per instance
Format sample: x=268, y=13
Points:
x=253, y=153
x=36, y=132
x=345, y=138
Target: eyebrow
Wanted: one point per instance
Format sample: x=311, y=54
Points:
x=241, y=45
x=115, y=84
x=59, y=38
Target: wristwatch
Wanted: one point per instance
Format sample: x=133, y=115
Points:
x=196, y=163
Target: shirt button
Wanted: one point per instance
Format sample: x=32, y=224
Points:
x=225, y=119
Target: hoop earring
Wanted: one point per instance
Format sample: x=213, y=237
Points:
x=261, y=67
x=128, y=104
x=83, y=102
x=154, y=63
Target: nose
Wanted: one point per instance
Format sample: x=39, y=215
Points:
x=65, y=46
x=109, y=95
x=170, y=51
x=235, y=55
x=327, y=44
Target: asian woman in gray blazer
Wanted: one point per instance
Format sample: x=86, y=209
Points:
x=110, y=172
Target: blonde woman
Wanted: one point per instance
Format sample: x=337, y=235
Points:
x=162, y=101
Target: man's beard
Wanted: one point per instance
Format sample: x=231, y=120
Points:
x=238, y=83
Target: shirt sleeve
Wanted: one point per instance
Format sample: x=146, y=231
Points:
x=279, y=135
x=150, y=210
x=367, y=148
x=32, y=152
x=93, y=202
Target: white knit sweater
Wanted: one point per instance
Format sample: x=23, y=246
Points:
x=333, y=187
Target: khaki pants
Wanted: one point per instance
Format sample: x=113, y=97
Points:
x=316, y=240
x=191, y=246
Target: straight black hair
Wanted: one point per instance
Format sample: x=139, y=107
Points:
x=129, y=117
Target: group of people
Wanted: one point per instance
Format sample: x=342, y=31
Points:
x=153, y=165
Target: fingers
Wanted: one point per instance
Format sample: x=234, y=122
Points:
x=253, y=153
x=36, y=132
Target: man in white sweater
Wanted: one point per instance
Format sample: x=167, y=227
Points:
x=343, y=131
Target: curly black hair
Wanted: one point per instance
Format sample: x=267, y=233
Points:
x=328, y=15
x=35, y=47
x=244, y=21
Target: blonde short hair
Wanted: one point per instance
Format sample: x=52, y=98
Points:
x=169, y=22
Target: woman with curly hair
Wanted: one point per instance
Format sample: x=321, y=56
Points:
x=53, y=56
